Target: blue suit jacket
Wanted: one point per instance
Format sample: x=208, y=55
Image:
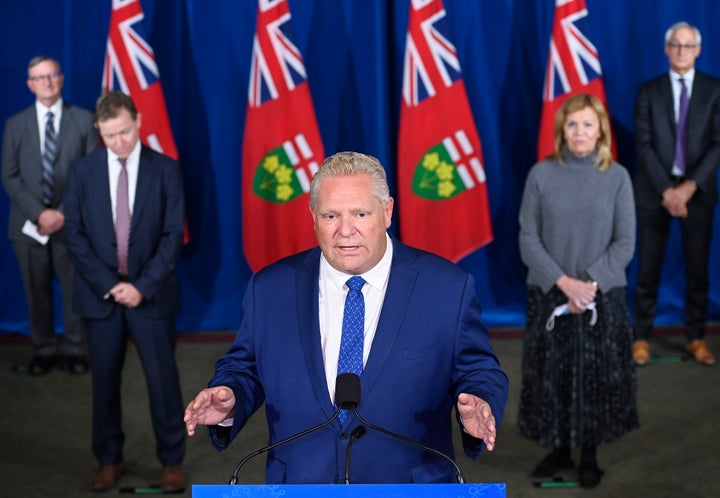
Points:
x=155, y=235
x=430, y=345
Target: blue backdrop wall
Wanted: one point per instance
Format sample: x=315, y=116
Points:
x=353, y=54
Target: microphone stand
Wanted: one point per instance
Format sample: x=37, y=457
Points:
x=234, y=476
x=357, y=433
x=458, y=475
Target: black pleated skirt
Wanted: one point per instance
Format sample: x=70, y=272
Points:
x=579, y=386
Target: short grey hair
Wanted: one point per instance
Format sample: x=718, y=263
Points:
x=682, y=24
x=41, y=58
x=350, y=164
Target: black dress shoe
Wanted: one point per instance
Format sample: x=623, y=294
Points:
x=76, y=364
x=42, y=365
x=553, y=463
x=589, y=475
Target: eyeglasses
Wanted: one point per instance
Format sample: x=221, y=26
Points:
x=40, y=77
x=678, y=46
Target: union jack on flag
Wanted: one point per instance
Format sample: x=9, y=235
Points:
x=431, y=61
x=573, y=60
x=573, y=67
x=277, y=66
x=130, y=68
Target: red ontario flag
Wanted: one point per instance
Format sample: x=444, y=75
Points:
x=130, y=68
x=282, y=148
x=442, y=191
x=573, y=67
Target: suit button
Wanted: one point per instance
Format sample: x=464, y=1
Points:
x=344, y=435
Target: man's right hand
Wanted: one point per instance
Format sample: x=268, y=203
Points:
x=210, y=407
x=50, y=221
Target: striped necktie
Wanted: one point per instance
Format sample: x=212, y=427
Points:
x=48, y=160
x=122, y=220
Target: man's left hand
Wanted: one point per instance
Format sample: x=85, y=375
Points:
x=477, y=418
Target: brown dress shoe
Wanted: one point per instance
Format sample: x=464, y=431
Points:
x=173, y=479
x=641, y=352
x=106, y=476
x=700, y=352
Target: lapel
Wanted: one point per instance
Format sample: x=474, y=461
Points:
x=697, y=97
x=395, y=306
x=65, y=126
x=142, y=188
x=666, y=95
x=306, y=290
x=98, y=187
x=31, y=122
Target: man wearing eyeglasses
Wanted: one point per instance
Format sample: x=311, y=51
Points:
x=677, y=132
x=39, y=145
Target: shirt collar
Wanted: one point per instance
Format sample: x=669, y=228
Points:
x=42, y=111
x=133, y=158
x=688, y=77
x=377, y=276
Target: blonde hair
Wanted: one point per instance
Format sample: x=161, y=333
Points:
x=578, y=103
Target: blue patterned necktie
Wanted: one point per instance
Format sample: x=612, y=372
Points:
x=48, y=160
x=681, y=130
x=350, y=359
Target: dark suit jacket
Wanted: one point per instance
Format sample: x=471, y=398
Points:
x=430, y=345
x=155, y=235
x=655, y=139
x=21, y=161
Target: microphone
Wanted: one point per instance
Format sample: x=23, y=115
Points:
x=353, y=384
x=347, y=395
x=357, y=433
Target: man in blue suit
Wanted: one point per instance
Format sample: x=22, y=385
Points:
x=425, y=348
x=126, y=285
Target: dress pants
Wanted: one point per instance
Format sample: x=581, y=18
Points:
x=37, y=263
x=653, y=230
x=155, y=344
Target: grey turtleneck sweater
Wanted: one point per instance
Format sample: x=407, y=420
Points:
x=578, y=221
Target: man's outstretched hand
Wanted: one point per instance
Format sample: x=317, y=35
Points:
x=477, y=418
x=210, y=407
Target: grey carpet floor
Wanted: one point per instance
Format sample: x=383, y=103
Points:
x=45, y=430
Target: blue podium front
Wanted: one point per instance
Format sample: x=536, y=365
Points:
x=495, y=490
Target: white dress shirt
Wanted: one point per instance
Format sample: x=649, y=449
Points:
x=42, y=119
x=132, y=164
x=332, y=304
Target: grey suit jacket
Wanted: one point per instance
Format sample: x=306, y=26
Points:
x=22, y=161
x=655, y=139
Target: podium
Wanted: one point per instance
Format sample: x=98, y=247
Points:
x=494, y=490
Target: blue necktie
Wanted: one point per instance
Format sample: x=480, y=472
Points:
x=350, y=359
x=681, y=129
x=48, y=160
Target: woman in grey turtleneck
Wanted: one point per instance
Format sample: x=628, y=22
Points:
x=577, y=235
